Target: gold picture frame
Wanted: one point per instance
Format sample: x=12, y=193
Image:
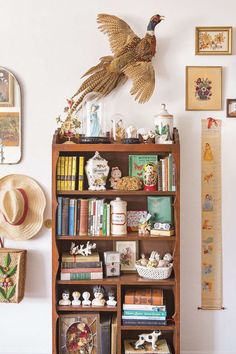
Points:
x=213, y=40
x=203, y=88
x=6, y=88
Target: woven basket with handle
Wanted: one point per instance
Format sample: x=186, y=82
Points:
x=12, y=274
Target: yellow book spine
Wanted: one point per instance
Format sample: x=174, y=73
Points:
x=69, y=179
x=73, y=174
x=62, y=173
x=81, y=173
x=59, y=173
x=66, y=172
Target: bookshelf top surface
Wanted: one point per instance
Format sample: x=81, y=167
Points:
x=126, y=148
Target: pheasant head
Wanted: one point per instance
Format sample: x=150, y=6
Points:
x=154, y=20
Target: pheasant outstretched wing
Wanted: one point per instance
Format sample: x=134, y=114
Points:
x=142, y=75
x=119, y=32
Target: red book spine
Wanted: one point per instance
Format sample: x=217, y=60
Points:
x=83, y=217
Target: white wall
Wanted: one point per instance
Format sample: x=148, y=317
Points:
x=48, y=44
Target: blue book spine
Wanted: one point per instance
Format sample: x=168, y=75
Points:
x=71, y=217
x=59, y=216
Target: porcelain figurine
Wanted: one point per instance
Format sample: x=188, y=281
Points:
x=97, y=170
x=98, y=292
x=144, y=225
x=86, y=297
x=163, y=263
x=65, y=301
x=115, y=176
x=168, y=257
x=143, y=260
x=111, y=299
x=149, y=338
x=76, y=296
x=131, y=132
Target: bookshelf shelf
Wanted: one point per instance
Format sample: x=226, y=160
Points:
x=118, y=155
x=128, y=237
x=86, y=308
x=114, y=193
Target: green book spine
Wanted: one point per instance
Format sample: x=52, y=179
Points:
x=170, y=171
x=104, y=221
x=144, y=313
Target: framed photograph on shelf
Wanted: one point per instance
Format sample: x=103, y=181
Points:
x=128, y=255
x=203, y=88
x=6, y=89
x=79, y=333
x=231, y=107
x=213, y=41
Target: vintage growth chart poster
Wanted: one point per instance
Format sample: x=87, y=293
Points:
x=211, y=215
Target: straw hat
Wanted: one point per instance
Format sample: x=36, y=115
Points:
x=22, y=204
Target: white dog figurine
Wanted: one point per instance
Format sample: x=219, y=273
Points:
x=149, y=338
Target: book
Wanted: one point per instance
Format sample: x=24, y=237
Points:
x=83, y=230
x=75, y=216
x=66, y=172
x=65, y=212
x=67, y=257
x=108, y=219
x=162, y=348
x=170, y=232
x=59, y=216
x=144, y=323
x=144, y=307
x=78, y=218
x=144, y=313
x=81, y=270
x=62, y=173
x=133, y=219
x=58, y=177
x=114, y=335
x=137, y=162
x=104, y=220
x=81, y=174
x=71, y=217
x=67, y=265
x=142, y=318
x=161, y=209
x=105, y=334
x=73, y=172
x=69, y=179
x=144, y=296
x=82, y=276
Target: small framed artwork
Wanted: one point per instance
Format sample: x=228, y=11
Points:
x=79, y=333
x=203, y=88
x=128, y=255
x=231, y=107
x=9, y=128
x=6, y=89
x=213, y=41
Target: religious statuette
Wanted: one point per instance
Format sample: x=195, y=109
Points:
x=97, y=170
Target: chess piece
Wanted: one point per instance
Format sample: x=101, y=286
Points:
x=86, y=301
x=65, y=301
x=76, y=296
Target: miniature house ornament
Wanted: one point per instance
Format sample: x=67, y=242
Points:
x=97, y=170
x=163, y=126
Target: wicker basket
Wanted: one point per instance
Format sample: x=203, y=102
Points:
x=12, y=275
x=154, y=273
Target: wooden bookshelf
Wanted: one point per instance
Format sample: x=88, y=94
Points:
x=117, y=155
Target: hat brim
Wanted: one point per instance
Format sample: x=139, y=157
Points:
x=36, y=206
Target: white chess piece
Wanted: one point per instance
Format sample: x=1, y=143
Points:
x=86, y=301
x=76, y=296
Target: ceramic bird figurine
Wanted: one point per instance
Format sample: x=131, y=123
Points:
x=131, y=59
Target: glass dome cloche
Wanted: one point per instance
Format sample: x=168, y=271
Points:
x=94, y=122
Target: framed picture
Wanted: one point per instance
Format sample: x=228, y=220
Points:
x=231, y=107
x=9, y=128
x=6, y=89
x=79, y=333
x=128, y=255
x=203, y=88
x=213, y=40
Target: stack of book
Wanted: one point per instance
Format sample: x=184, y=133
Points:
x=78, y=267
x=162, y=348
x=166, y=174
x=83, y=217
x=144, y=307
x=70, y=173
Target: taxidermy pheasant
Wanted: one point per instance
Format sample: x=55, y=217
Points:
x=131, y=59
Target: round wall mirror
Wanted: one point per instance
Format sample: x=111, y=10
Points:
x=10, y=118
